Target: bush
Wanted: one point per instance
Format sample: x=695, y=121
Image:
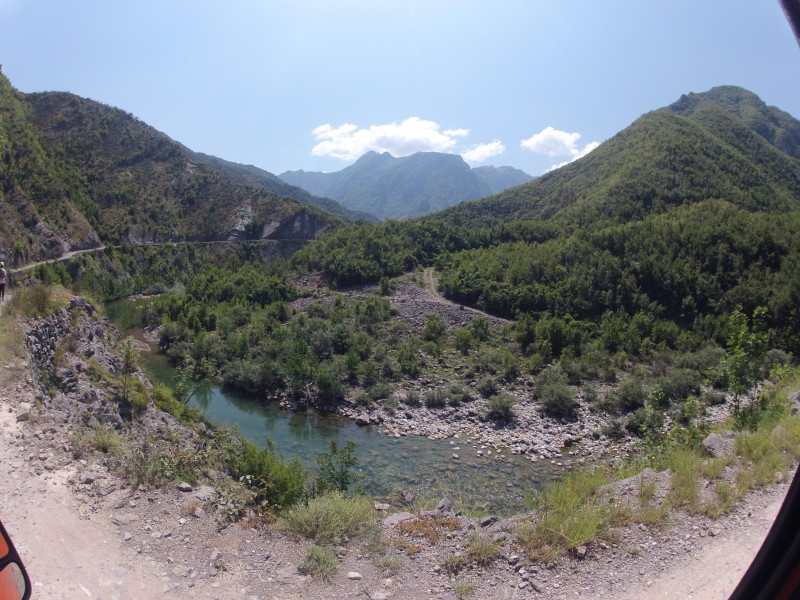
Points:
x=644, y=421
x=679, y=385
x=457, y=394
x=320, y=562
x=488, y=386
x=327, y=518
x=462, y=340
x=330, y=389
x=274, y=481
x=436, y=398
x=557, y=399
x=613, y=430
x=107, y=440
x=434, y=328
x=501, y=407
x=630, y=395
x=411, y=398
x=336, y=465
x=481, y=550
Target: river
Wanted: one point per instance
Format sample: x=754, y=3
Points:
x=389, y=464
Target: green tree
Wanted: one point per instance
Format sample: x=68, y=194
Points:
x=336, y=466
x=747, y=345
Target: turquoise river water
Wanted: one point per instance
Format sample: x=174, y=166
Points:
x=388, y=464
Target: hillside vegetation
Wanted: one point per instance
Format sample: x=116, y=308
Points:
x=77, y=173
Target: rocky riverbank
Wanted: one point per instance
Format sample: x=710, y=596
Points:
x=138, y=541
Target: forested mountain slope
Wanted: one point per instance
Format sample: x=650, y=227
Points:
x=662, y=160
x=671, y=224
x=76, y=173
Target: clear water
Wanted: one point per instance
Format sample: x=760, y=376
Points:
x=388, y=464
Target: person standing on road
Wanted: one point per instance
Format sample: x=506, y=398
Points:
x=3, y=276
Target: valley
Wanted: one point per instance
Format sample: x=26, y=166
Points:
x=499, y=399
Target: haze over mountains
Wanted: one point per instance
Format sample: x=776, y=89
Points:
x=409, y=186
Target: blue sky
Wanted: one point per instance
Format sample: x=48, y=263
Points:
x=312, y=84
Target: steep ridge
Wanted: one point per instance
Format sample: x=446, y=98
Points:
x=255, y=177
x=662, y=160
x=77, y=173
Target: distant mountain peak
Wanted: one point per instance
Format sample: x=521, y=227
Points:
x=407, y=186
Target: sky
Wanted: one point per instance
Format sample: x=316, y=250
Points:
x=313, y=84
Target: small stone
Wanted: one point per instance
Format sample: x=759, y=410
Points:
x=382, y=506
x=354, y=576
x=184, y=487
x=124, y=518
x=128, y=536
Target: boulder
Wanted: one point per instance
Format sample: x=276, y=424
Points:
x=717, y=446
x=397, y=518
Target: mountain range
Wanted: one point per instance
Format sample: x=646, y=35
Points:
x=409, y=186
x=76, y=174
x=725, y=143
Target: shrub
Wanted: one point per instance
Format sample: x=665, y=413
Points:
x=557, y=399
x=457, y=394
x=501, y=407
x=679, y=385
x=363, y=400
x=320, y=562
x=452, y=563
x=462, y=340
x=567, y=516
x=434, y=328
x=631, y=395
x=481, y=550
x=330, y=389
x=327, y=518
x=488, y=386
x=644, y=421
x=274, y=481
x=381, y=391
x=108, y=441
x=411, y=398
x=337, y=464
x=436, y=398
x=613, y=430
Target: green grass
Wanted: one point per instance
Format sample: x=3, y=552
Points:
x=463, y=589
x=569, y=514
x=320, y=562
x=108, y=441
x=481, y=550
x=330, y=517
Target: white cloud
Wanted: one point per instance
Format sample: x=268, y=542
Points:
x=586, y=149
x=348, y=142
x=482, y=152
x=554, y=142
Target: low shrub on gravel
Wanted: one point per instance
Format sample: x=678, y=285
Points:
x=327, y=518
x=319, y=561
x=568, y=515
x=501, y=407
